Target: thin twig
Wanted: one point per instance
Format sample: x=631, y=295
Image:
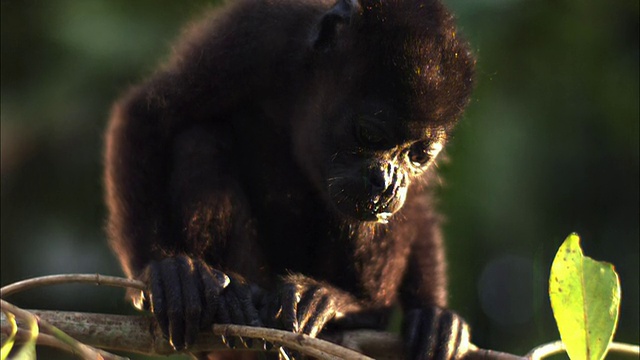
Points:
x=96, y=279
x=558, y=347
x=544, y=350
x=623, y=348
x=298, y=342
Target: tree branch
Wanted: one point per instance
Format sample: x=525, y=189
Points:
x=140, y=334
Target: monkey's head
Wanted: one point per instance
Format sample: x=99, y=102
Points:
x=390, y=80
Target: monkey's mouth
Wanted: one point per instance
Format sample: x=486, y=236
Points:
x=388, y=203
x=379, y=211
x=364, y=206
x=383, y=217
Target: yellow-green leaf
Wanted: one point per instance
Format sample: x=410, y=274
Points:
x=585, y=297
x=8, y=344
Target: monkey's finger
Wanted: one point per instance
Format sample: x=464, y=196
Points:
x=175, y=309
x=307, y=306
x=324, y=311
x=223, y=317
x=244, y=296
x=234, y=308
x=268, y=313
x=259, y=297
x=222, y=311
x=158, y=301
x=453, y=334
x=464, y=340
x=446, y=336
x=419, y=333
x=211, y=289
x=271, y=312
x=289, y=301
x=190, y=298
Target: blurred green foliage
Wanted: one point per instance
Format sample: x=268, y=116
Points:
x=549, y=146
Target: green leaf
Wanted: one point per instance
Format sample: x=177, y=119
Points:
x=585, y=297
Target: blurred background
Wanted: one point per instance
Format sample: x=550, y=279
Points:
x=549, y=146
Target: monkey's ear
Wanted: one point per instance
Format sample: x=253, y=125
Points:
x=328, y=29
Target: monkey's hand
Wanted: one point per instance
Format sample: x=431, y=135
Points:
x=435, y=334
x=187, y=295
x=304, y=306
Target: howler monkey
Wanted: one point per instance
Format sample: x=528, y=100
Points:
x=274, y=172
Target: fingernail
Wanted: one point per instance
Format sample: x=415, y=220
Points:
x=138, y=301
x=222, y=279
x=233, y=342
x=241, y=339
x=267, y=346
x=179, y=347
x=282, y=354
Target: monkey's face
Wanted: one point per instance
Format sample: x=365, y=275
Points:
x=368, y=179
x=363, y=158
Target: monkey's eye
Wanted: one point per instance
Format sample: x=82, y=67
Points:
x=422, y=151
x=369, y=135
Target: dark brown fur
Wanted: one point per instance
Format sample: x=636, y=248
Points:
x=225, y=153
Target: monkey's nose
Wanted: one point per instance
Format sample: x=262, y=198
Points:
x=377, y=180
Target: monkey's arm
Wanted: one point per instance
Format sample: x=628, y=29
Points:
x=173, y=200
x=136, y=168
x=430, y=330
